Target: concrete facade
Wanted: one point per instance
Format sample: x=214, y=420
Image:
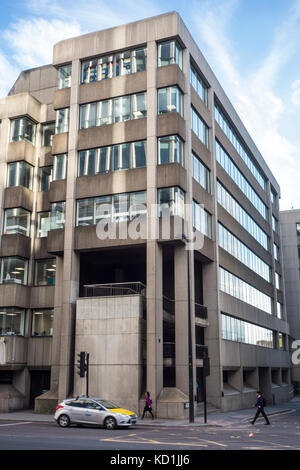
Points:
x=291, y=267
x=157, y=360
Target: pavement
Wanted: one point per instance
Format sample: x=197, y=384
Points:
x=214, y=418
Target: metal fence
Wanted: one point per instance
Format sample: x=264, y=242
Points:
x=108, y=290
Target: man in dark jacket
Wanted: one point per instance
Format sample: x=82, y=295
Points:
x=260, y=403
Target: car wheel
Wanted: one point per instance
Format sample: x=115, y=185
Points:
x=110, y=423
x=63, y=421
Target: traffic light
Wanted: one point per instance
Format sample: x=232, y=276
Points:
x=81, y=364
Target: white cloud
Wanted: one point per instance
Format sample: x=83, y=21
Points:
x=254, y=95
x=31, y=41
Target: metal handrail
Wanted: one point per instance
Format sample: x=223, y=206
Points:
x=114, y=289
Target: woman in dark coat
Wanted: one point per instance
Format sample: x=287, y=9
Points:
x=148, y=405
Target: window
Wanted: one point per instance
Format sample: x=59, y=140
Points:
x=172, y=200
x=200, y=173
x=201, y=219
x=48, y=133
x=117, y=157
x=198, y=85
x=279, y=310
x=14, y=270
x=170, y=99
x=60, y=167
x=242, y=217
x=240, y=251
x=114, y=65
x=22, y=129
x=199, y=127
x=233, y=171
x=64, y=76
x=276, y=251
x=45, y=178
x=234, y=329
x=277, y=281
x=45, y=270
x=114, y=110
x=274, y=224
x=58, y=215
x=169, y=52
x=238, y=145
x=12, y=321
x=236, y=287
x=20, y=174
x=16, y=221
x=44, y=224
x=62, y=121
x=170, y=150
x=298, y=228
x=42, y=322
x=117, y=207
x=273, y=197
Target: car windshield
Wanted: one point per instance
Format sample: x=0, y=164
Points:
x=108, y=404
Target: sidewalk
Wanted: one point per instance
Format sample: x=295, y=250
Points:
x=213, y=419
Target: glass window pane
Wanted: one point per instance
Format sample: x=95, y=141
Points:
x=12, y=321
x=139, y=154
x=44, y=224
x=85, y=212
x=45, y=270
x=17, y=221
x=42, y=322
x=45, y=178
x=48, y=133
x=14, y=270
x=64, y=76
x=62, y=121
x=58, y=215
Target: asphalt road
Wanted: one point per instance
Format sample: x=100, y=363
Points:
x=282, y=434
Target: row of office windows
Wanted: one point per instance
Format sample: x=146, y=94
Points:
x=236, y=287
x=241, y=216
x=240, y=251
x=237, y=143
x=12, y=322
x=17, y=220
x=130, y=61
x=234, y=329
x=121, y=63
x=106, y=159
x=235, y=174
x=14, y=270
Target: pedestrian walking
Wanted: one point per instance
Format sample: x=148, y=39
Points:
x=260, y=404
x=148, y=405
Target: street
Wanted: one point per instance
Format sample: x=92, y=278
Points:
x=282, y=434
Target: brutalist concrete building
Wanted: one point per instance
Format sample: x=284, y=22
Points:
x=290, y=231
x=129, y=126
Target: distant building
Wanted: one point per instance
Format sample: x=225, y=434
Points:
x=290, y=231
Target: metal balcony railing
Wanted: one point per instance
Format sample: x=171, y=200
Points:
x=114, y=289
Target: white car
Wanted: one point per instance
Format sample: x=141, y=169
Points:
x=84, y=410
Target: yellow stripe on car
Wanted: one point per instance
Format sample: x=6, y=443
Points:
x=121, y=410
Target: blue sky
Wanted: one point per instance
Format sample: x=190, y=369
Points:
x=253, y=47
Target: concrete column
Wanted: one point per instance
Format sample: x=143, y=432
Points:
x=154, y=251
x=181, y=319
x=211, y=288
x=71, y=259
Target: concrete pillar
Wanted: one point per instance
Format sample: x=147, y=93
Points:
x=181, y=319
x=71, y=259
x=154, y=251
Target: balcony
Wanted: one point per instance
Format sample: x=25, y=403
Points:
x=115, y=289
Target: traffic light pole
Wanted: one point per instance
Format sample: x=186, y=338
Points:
x=87, y=373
